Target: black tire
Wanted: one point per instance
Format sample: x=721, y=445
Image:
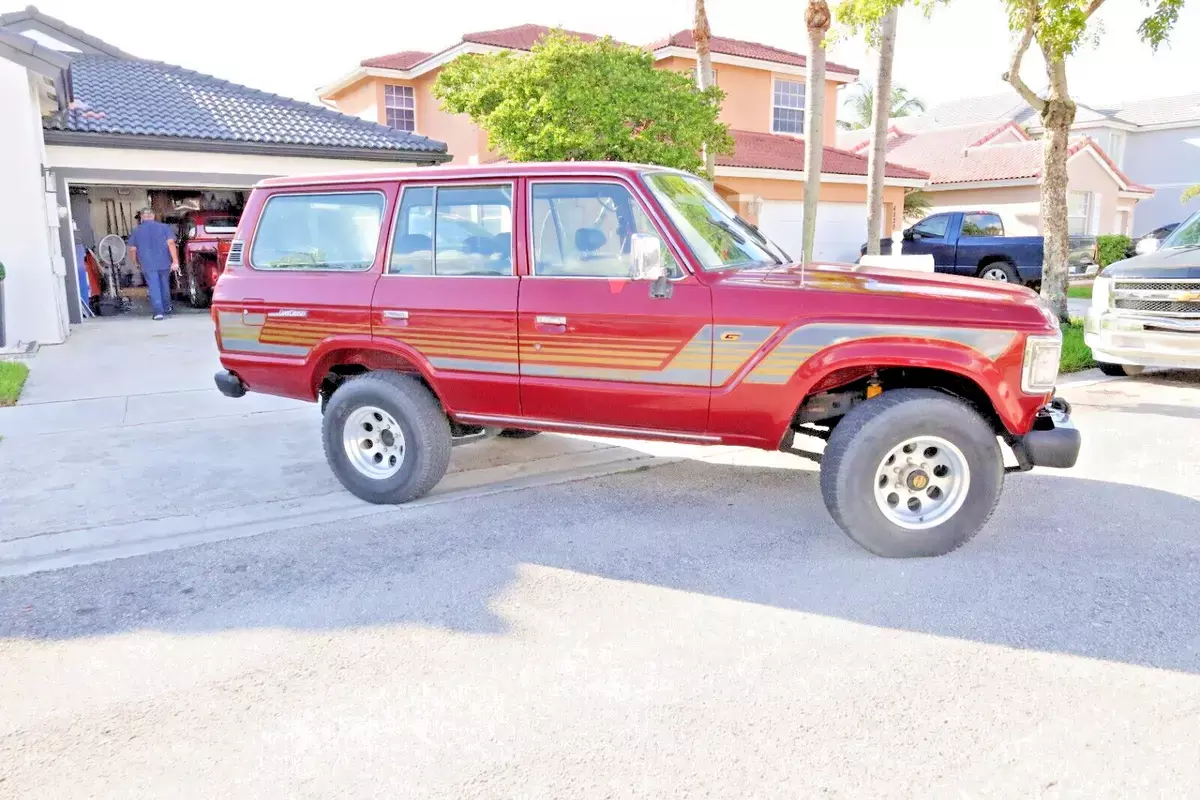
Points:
x=420, y=418
x=994, y=269
x=518, y=433
x=1120, y=370
x=863, y=439
x=197, y=295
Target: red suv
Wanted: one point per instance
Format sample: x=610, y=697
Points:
x=430, y=307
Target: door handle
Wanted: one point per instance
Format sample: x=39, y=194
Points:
x=396, y=316
x=550, y=324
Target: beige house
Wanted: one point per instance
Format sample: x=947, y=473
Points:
x=997, y=166
x=764, y=108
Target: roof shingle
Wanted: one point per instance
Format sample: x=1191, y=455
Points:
x=520, y=37
x=772, y=151
x=403, y=60
x=149, y=98
x=737, y=47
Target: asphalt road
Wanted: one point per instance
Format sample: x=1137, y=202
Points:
x=689, y=630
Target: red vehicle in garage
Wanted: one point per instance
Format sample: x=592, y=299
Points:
x=204, y=241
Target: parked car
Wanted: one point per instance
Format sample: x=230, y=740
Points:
x=629, y=301
x=1151, y=241
x=201, y=235
x=1145, y=310
x=974, y=243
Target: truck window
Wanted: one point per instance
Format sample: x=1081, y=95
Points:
x=453, y=230
x=933, y=227
x=584, y=230
x=982, y=225
x=318, y=232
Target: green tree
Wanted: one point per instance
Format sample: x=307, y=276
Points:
x=570, y=100
x=1188, y=194
x=917, y=205
x=862, y=103
x=1059, y=28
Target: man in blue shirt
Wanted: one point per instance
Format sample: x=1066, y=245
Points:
x=152, y=247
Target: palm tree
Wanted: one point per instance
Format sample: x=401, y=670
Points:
x=816, y=19
x=704, y=71
x=876, y=163
x=862, y=103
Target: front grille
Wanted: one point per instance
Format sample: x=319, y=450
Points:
x=1171, y=298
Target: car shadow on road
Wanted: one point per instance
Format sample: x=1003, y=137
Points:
x=1067, y=565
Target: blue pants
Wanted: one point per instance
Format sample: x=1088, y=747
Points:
x=158, y=286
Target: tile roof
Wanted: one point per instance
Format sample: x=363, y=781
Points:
x=737, y=47
x=149, y=98
x=1006, y=105
x=403, y=60
x=520, y=37
x=1161, y=110
x=772, y=151
x=966, y=154
x=30, y=17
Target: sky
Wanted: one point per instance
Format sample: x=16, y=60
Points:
x=961, y=51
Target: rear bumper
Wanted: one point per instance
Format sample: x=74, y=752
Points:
x=229, y=384
x=1053, y=442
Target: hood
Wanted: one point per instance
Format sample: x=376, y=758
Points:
x=883, y=281
x=1173, y=263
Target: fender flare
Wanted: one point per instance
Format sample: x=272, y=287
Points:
x=371, y=353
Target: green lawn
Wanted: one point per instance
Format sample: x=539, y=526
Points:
x=12, y=378
x=1083, y=290
x=1076, y=355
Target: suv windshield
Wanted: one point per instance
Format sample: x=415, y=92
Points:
x=1186, y=235
x=718, y=237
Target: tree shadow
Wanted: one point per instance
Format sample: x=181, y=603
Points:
x=1067, y=565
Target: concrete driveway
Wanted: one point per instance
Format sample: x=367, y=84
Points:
x=696, y=629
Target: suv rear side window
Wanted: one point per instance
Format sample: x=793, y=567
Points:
x=318, y=231
x=470, y=233
x=982, y=225
x=583, y=230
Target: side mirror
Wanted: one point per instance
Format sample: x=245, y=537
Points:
x=910, y=235
x=1147, y=245
x=646, y=264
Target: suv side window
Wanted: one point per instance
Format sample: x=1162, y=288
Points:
x=584, y=229
x=982, y=225
x=934, y=227
x=335, y=231
x=453, y=230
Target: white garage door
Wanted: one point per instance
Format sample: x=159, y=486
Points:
x=841, y=228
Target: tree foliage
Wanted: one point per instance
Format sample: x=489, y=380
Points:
x=863, y=16
x=862, y=103
x=570, y=100
x=1188, y=194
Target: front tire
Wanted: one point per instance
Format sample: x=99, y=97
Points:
x=1120, y=370
x=912, y=473
x=198, y=296
x=386, y=437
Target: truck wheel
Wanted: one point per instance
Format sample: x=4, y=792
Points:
x=198, y=296
x=518, y=433
x=912, y=473
x=1001, y=271
x=1120, y=370
x=386, y=437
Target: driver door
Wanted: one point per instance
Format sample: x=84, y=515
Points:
x=597, y=349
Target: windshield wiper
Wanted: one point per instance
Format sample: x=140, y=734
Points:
x=725, y=226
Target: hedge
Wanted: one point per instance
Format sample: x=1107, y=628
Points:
x=1112, y=248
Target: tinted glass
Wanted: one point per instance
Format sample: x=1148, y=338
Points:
x=982, y=225
x=585, y=230
x=932, y=228
x=318, y=231
x=474, y=231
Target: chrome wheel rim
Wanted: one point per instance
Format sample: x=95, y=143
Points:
x=922, y=482
x=193, y=286
x=373, y=442
x=995, y=274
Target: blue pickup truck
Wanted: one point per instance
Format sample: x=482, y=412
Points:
x=973, y=243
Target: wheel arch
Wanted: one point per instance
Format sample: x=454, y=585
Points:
x=335, y=360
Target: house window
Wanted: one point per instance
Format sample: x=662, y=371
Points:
x=787, y=107
x=1079, y=213
x=1116, y=148
x=400, y=106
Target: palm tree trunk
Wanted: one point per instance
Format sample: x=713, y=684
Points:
x=876, y=161
x=816, y=18
x=1057, y=116
x=704, y=74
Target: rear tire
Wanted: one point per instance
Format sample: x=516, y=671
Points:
x=966, y=460
x=518, y=433
x=386, y=414
x=999, y=271
x=1120, y=370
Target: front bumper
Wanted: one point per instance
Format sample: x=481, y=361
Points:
x=1172, y=342
x=1052, y=442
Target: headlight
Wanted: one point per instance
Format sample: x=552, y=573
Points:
x=1102, y=293
x=1040, y=373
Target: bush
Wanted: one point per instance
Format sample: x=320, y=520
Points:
x=1, y=271
x=1110, y=249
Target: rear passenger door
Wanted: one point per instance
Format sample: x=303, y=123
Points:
x=448, y=294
